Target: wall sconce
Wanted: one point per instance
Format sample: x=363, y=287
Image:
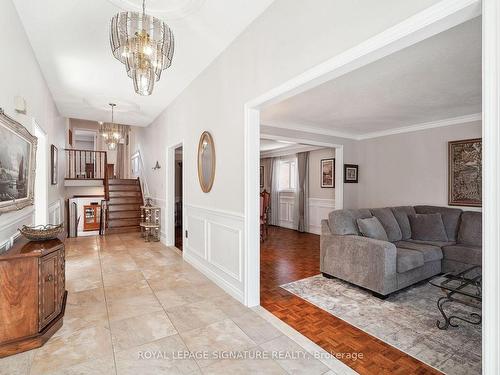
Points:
x=157, y=166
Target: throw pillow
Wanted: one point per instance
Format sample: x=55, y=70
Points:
x=427, y=227
x=372, y=228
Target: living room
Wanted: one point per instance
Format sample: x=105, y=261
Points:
x=407, y=139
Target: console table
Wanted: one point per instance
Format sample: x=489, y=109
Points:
x=32, y=294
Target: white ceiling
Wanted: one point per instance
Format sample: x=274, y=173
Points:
x=269, y=144
x=71, y=42
x=438, y=78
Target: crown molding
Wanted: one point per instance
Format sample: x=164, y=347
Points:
x=422, y=126
x=382, y=133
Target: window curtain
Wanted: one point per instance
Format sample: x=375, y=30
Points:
x=302, y=192
x=275, y=191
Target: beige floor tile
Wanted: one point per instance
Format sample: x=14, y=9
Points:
x=218, y=337
x=122, y=278
x=130, y=290
x=80, y=267
x=62, y=352
x=118, y=263
x=129, y=307
x=302, y=363
x=140, y=330
x=155, y=358
x=100, y=366
x=230, y=306
x=244, y=367
x=171, y=298
x=18, y=364
x=258, y=329
x=195, y=315
x=91, y=281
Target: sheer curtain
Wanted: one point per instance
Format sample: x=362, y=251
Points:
x=275, y=191
x=302, y=192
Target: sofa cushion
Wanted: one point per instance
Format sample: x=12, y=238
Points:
x=470, y=232
x=372, y=228
x=401, y=214
x=427, y=227
x=343, y=222
x=389, y=222
x=429, y=252
x=465, y=254
x=433, y=243
x=450, y=216
x=408, y=259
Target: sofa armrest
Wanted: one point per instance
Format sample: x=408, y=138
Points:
x=361, y=260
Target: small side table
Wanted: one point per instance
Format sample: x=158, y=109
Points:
x=150, y=221
x=150, y=232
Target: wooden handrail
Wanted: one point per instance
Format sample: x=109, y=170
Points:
x=106, y=177
x=85, y=164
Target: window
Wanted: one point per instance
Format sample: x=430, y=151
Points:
x=288, y=175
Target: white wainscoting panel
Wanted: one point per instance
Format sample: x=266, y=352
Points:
x=215, y=246
x=55, y=213
x=9, y=223
x=319, y=210
x=287, y=207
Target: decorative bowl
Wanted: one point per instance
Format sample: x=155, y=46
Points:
x=42, y=232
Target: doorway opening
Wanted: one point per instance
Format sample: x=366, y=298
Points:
x=178, y=241
x=41, y=177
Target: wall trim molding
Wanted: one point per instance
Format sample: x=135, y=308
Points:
x=382, y=133
x=423, y=126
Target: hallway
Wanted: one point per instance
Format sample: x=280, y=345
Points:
x=129, y=300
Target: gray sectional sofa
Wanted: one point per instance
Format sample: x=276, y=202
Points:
x=401, y=256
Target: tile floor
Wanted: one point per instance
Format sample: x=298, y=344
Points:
x=138, y=308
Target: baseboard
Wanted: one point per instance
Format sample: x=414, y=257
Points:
x=200, y=266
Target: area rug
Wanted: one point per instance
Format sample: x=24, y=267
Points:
x=405, y=320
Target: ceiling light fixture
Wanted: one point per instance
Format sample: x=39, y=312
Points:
x=111, y=132
x=144, y=44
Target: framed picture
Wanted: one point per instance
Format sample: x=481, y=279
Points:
x=17, y=165
x=327, y=173
x=465, y=173
x=262, y=176
x=70, y=137
x=54, y=162
x=351, y=173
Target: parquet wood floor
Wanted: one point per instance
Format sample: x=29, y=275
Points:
x=288, y=256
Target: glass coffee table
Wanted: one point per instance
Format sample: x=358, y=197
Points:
x=461, y=288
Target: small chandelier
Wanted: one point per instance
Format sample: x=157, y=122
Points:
x=111, y=132
x=144, y=44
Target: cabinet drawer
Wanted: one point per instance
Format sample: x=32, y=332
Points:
x=49, y=292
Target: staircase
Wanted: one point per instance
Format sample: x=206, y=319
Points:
x=124, y=205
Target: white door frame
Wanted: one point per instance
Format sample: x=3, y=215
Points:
x=431, y=21
x=170, y=194
x=491, y=183
x=41, y=195
x=339, y=161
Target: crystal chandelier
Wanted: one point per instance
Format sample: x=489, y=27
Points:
x=144, y=44
x=111, y=132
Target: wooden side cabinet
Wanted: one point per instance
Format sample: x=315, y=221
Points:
x=32, y=294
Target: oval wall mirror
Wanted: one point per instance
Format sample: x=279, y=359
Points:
x=206, y=162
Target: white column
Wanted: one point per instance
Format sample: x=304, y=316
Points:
x=491, y=184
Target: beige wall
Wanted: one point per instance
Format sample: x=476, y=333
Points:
x=409, y=168
x=315, y=189
x=20, y=75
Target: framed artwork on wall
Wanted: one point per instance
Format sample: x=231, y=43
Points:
x=351, y=173
x=54, y=163
x=465, y=172
x=327, y=173
x=262, y=176
x=70, y=137
x=17, y=165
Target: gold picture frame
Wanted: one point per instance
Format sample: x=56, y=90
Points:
x=206, y=161
x=17, y=165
